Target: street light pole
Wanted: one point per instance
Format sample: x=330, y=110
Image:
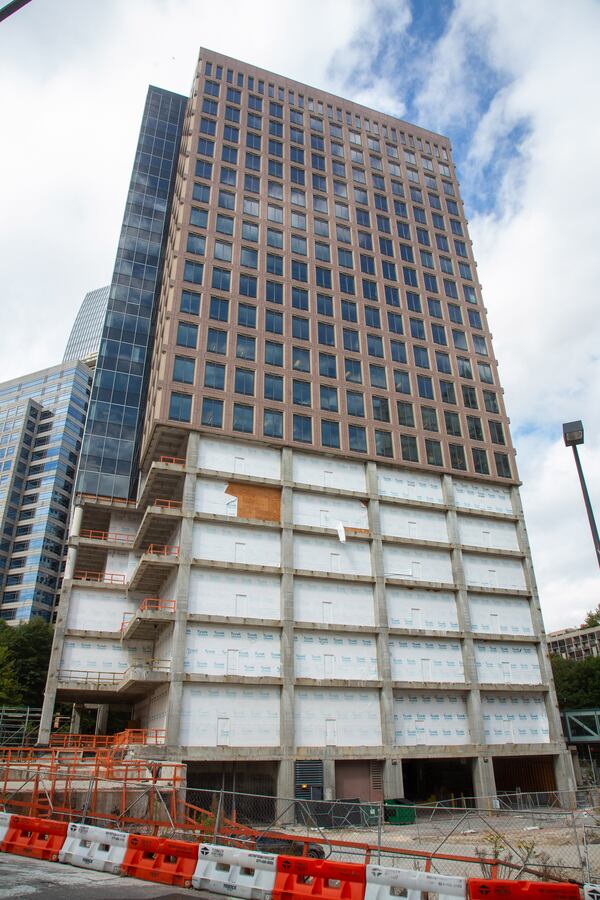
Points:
x=573, y=436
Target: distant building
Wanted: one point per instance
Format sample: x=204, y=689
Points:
x=84, y=340
x=41, y=425
x=575, y=643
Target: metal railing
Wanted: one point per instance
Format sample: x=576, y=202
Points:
x=163, y=503
x=162, y=550
x=101, y=679
x=148, y=604
x=19, y=725
x=99, y=577
x=129, y=737
x=117, y=537
x=116, y=501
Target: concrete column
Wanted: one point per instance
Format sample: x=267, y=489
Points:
x=484, y=782
x=563, y=765
x=329, y=774
x=286, y=710
x=393, y=779
x=181, y=599
x=285, y=793
x=101, y=718
x=484, y=786
x=55, y=660
x=386, y=694
x=76, y=719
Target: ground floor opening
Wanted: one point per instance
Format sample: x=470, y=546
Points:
x=435, y=780
x=524, y=774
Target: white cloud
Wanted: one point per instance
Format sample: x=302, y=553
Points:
x=74, y=79
x=537, y=255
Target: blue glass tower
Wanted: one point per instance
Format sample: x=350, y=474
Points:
x=110, y=452
x=41, y=427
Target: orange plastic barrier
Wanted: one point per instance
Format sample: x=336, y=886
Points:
x=300, y=877
x=39, y=838
x=160, y=859
x=484, y=889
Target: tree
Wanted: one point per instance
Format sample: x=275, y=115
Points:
x=592, y=619
x=24, y=658
x=577, y=682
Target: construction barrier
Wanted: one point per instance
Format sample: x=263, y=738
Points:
x=247, y=874
x=4, y=823
x=160, y=859
x=94, y=848
x=485, y=889
x=384, y=882
x=300, y=876
x=591, y=892
x=40, y=838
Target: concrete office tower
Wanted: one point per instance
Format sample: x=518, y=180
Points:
x=41, y=426
x=84, y=340
x=324, y=583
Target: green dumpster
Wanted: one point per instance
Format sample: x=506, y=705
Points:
x=399, y=812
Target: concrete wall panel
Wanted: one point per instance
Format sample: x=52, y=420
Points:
x=214, y=650
x=495, y=572
x=409, y=485
x=514, y=719
x=333, y=602
x=323, y=655
x=430, y=610
x=326, y=717
x=325, y=511
x=215, y=593
x=500, y=615
x=418, y=563
x=478, y=532
x=235, y=543
x=506, y=663
x=430, y=719
x=405, y=522
x=239, y=458
x=324, y=472
x=97, y=610
x=471, y=495
x=214, y=715
x=426, y=660
x=325, y=554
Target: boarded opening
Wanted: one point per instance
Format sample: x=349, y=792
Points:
x=524, y=773
x=236, y=779
x=359, y=779
x=427, y=780
x=256, y=501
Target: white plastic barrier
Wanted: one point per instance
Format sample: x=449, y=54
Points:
x=4, y=824
x=237, y=873
x=591, y=891
x=94, y=848
x=383, y=883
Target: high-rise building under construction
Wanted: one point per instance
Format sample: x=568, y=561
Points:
x=299, y=553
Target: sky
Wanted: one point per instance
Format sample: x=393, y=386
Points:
x=516, y=87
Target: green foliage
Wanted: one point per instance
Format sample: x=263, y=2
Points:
x=592, y=619
x=577, y=682
x=24, y=658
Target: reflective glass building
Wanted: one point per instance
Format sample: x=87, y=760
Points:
x=108, y=460
x=86, y=333
x=41, y=427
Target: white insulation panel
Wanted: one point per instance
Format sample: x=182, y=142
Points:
x=471, y=495
x=325, y=511
x=239, y=458
x=326, y=717
x=235, y=543
x=426, y=660
x=507, y=663
x=430, y=610
x=215, y=650
x=118, y=563
x=121, y=523
x=325, y=554
x=97, y=610
x=407, y=522
x=211, y=497
x=152, y=711
x=514, y=719
x=102, y=655
x=493, y=571
x=214, y=715
x=245, y=595
x=418, y=563
x=500, y=615
x=495, y=533
x=430, y=719
x=333, y=602
x=323, y=472
x=323, y=655
x=409, y=485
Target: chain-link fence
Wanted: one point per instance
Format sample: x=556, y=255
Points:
x=515, y=839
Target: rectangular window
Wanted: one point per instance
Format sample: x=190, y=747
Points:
x=183, y=371
x=190, y=303
x=247, y=315
x=216, y=341
x=406, y=417
x=429, y=418
x=447, y=392
x=357, y=438
x=302, y=428
x=219, y=309
x=245, y=347
x=409, y=448
x=273, y=387
x=491, y=402
x=243, y=418
x=330, y=433
x=273, y=423
x=327, y=365
x=381, y=409
x=324, y=305
x=273, y=353
x=214, y=376
x=480, y=461
x=274, y=322
x=300, y=359
x=383, y=443
x=425, y=387
x=433, y=452
x=398, y=349
x=221, y=279
x=457, y=457
x=452, y=423
x=353, y=370
x=193, y=272
x=212, y=412
x=374, y=345
x=496, y=432
x=187, y=335
x=502, y=465
x=326, y=334
x=180, y=407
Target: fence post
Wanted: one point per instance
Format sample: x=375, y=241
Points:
x=218, y=816
x=380, y=820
